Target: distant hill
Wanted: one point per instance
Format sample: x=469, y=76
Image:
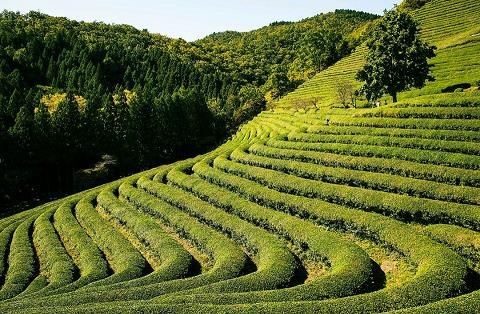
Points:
x=254, y=55
x=452, y=26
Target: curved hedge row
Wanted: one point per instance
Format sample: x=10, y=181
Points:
x=350, y=268
x=269, y=223
x=55, y=263
x=455, y=176
x=464, y=241
x=276, y=265
x=399, y=206
x=436, y=264
x=174, y=260
x=125, y=261
x=5, y=238
x=447, y=135
x=409, y=154
x=364, y=179
x=425, y=112
x=229, y=260
x=428, y=144
x=21, y=261
x=80, y=248
x=413, y=123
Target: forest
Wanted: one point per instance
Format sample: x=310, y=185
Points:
x=73, y=94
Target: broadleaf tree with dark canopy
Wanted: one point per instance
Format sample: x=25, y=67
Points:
x=397, y=59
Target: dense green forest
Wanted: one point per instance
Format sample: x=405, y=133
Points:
x=281, y=56
x=72, y=92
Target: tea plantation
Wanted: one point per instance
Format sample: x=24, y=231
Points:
x=376, y=210
x=452, y=26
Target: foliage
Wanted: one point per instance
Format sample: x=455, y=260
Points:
x=376, y=211
x=155, y=82
x=414, y=170
x=64, y=74
x=322, y=48
x=251, y=197
x=430, y=124
x=449, y=25
x=413, y=4
x=80, y=246
x=296, y=51
x=365, y=179
x=345, y=93
x=397, y=59
x=21, y=258
x=55, y=263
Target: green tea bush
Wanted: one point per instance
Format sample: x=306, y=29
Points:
x=409, y=154
x=55, y=263
x=399, y=206
x=449, y=135
x=175, y=262
x=413, y=123
x=126, y=262
x=426, y=254
x=85, y=253
x=464, y=241
x=5, y=238
x=21, y=261
x=388, y=141
x=436, y=173
x=364, y=179
x=350, y=268
x=276, y=265
x=425, y=112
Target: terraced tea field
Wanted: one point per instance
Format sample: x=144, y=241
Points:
x=376, y=211
x=379, y=211
x=453, y=26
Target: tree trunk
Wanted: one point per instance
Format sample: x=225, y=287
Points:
x=394, y=95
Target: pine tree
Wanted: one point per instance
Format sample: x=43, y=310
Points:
x=14, y=103
x=66, y=122
x=22, y=130
x=51, y=70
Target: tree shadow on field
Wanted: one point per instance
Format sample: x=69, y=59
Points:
x=301, y=273
x=379, y=279
x=472, y=280
x=194, y=269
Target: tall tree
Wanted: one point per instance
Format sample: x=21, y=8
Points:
x=15, y=102
x=22, y=130
x=66, y=122
x=397, y=59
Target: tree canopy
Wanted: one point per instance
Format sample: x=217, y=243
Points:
x=397, y=59
x=299, y=49
x=413, y=4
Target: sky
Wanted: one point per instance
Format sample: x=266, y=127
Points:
x=189, y=19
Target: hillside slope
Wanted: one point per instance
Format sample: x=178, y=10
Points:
x=253, y=56
x=452, y=26
x=172, y=87
x=376, y=211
